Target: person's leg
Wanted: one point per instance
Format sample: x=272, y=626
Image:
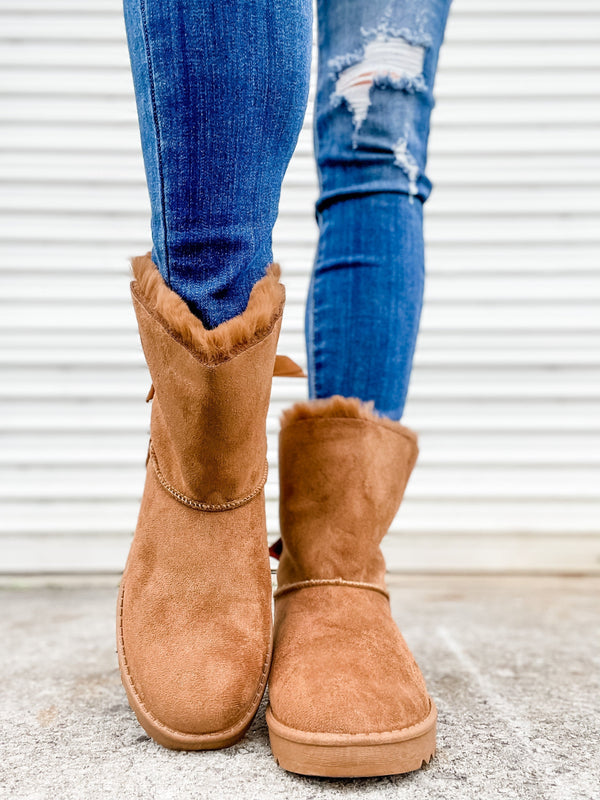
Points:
x=377, y=63
x=221, y=90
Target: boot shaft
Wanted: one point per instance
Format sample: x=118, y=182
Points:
x=211, y=391
x=343, y=472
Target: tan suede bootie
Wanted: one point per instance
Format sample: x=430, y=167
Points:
x=346, y=697
x=194, y=610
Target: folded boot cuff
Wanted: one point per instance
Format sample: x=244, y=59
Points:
x=339, y=407
x=218, y=344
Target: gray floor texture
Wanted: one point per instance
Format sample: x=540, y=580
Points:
x=513, y=663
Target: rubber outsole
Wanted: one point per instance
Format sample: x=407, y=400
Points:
x=353, y=755
x=169, y=737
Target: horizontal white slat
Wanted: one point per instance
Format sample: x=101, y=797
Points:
x=476, y=316
x=89, y=138
x=113, y=170
x=498, y=27
x=514, y=288
x=419, y=517
x=131, y=232
x=461, y=9
x=439, y=288
x=48, y=27
x=532, y=139
x=437, y=448
x=446, y=350
x=515, y=552
x=574, y=258
x=458, y=346
x=438, y=482
x=80, y=54
x=119, y=113
x=570, y=113
x=133, y=202
x=509, y=56
x=58, y=7
x=464, y=8
x=577, y=383
x=547, y=416
x=523, y=357
x=551, y=82
x=525, y=83
x=494, y=28
x=517, y=8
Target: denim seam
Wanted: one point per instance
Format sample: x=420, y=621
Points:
x=310, y=354
x=316, y=345
x=161, y=177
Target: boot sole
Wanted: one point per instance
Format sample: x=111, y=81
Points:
x=330, y=755
x=169, y=737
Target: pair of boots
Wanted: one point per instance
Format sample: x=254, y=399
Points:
x=195, y=638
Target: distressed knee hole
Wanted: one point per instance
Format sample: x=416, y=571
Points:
x=392, y=62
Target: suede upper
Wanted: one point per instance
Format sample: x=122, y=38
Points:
x=205, y=437
x=343, y=478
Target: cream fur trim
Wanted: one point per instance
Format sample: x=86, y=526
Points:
x=217, y=344
x=341, y=407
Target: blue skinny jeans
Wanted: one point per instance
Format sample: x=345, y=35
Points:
x=221, y=92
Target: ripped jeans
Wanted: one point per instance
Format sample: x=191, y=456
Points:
x=221, y=92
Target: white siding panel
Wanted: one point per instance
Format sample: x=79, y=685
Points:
x=506, y=387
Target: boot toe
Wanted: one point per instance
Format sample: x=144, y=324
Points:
x=196, y=682
x=341, y=665
x=197, y=692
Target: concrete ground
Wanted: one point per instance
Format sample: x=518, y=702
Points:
x=513, y=663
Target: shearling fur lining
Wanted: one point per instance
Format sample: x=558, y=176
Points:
x=341, y=407
x=217, y=344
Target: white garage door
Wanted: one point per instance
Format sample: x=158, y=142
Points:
x=506, y=387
